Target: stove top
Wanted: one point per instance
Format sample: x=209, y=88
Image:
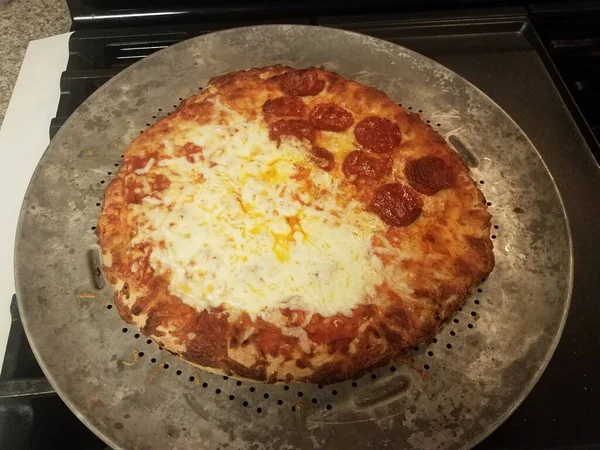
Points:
x=512, y=55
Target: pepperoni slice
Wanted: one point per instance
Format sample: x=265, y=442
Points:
x=378, y=134
x=300, y=82
x=302, y=129
x=429, y=174
x=322, y=158
x=396, y=204
x=286, y=106
x=330, y=117
x=366, y=166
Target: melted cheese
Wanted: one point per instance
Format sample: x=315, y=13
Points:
x=241, y=227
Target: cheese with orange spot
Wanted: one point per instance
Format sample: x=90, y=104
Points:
x=266, y=229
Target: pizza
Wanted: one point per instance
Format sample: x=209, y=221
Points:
x=292, y=225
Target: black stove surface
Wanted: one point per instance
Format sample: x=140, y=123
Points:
x=499, y=51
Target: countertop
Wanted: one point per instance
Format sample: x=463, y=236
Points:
x=20, y=22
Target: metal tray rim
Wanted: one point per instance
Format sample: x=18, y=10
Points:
x=469, y=444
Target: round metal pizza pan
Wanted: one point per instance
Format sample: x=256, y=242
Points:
x=136, y=396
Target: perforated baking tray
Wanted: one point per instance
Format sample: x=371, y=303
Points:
x=458, y=389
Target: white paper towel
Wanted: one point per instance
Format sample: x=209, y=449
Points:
x=23, y=139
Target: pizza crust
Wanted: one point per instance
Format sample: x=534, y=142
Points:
x=433, y=253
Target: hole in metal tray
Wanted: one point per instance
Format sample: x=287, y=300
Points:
x=378, y=394
x=95, y=265
x=464, y=151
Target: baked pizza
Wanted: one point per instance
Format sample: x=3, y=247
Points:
x=292, y=225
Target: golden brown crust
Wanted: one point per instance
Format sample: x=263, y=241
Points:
x=445, y=248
